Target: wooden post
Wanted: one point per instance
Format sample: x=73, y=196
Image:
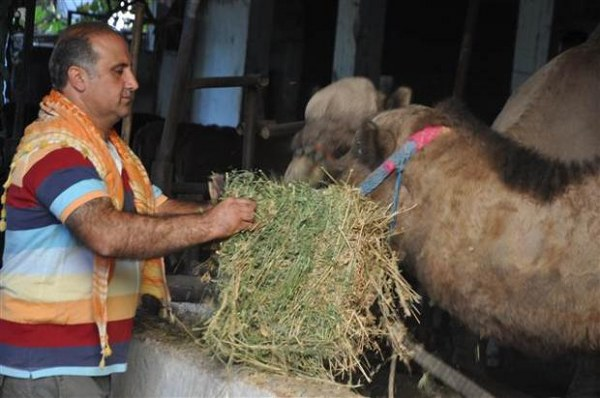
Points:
x=533, y=38
x=465, y=49
x=249, y=117
x=22, y=77
x=369, y=39
x=162, y=168
x=138, y=26
x=345, y=40
x=359, y=39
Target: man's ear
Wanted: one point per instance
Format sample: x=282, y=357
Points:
x=77, y=77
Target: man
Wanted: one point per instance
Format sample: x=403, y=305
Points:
x=78, y=209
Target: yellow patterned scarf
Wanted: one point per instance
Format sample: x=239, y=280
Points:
x=62, y=124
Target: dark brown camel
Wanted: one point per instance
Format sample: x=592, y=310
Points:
x=503, y=225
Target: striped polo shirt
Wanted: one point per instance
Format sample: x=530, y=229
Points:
x=46, y=319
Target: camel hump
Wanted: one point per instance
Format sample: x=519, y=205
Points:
x=594, y=38
x=556, y=112
x=351, y=99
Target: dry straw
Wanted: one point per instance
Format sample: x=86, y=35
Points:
x=313, y=287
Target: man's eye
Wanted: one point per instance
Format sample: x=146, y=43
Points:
x=119, y=71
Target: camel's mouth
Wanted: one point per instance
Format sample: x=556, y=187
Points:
x=304, y=168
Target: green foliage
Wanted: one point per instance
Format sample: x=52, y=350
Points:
x=94, y=7
x=48, y=20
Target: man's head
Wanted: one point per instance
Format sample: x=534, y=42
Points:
x=91, y=66
x=74, y=48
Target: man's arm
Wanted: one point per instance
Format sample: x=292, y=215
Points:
x=113, y=233
x=174, y=206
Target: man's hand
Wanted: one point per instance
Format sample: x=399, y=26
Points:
x=231, y=216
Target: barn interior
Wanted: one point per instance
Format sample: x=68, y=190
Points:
x=224, y=84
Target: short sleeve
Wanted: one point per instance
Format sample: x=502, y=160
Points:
x=63, y=180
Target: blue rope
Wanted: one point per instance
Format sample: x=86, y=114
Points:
x=398, y=159
x=396, y=162
x=396, y=199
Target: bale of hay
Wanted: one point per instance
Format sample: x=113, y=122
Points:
x=313, y=287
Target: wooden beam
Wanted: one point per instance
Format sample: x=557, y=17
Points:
x=258, y=45
x=258, y=49
x=345, y=40
x=369, y=40
x=464, y=57
x=138, y=26
x=359, y=39
x=533, y=38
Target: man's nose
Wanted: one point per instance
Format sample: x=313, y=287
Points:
x=131, y=82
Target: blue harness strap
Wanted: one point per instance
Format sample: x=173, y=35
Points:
x=397, y=162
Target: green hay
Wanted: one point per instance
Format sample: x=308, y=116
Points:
x=297, y=293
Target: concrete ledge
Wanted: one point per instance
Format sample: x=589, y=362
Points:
x=163, y=365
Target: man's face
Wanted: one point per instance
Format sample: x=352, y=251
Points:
x=110, y=85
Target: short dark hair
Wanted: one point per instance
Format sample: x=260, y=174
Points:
x=74, y=48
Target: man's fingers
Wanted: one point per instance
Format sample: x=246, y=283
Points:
x=247, y=210
x=241, y=212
